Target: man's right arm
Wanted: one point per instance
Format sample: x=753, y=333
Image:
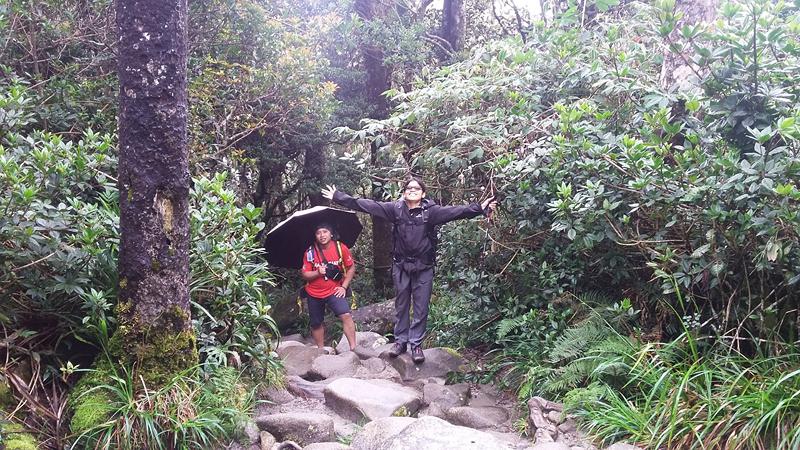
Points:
x=384, y=210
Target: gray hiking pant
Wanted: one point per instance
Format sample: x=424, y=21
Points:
x=411, y=286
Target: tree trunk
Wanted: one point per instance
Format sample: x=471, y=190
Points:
x=314, y=171
x=155, y=329
x=677, y=71
x=453, y=24
x=378, y=82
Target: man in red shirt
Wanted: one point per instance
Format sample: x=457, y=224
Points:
x=325, y=285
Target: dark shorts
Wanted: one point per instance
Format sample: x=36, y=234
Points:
x=316, y=307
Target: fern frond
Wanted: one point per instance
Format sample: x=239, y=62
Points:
x=577, y=340
x=507, y=326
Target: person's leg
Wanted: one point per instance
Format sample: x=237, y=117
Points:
x=421, y=295
x=341, y=308
x=318, y=334
x=402, y=302
x=349, y=328
x=316, y=313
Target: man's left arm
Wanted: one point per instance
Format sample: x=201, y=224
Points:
x=443, y=214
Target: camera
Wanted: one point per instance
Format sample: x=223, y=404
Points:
x=333, y=272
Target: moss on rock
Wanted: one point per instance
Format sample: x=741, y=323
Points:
x=90, y=410
x=453, y=352
x=7, y=401
x=17, y=439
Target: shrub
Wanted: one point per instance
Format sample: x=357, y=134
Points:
x=185, y=413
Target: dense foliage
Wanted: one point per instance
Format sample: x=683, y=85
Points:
x=682, y=199
x=60, y=235
x=642, y=268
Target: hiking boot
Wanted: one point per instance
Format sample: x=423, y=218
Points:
x=397, y=349
x=417, y=355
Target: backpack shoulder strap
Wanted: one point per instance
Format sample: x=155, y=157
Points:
x=339, y=251
x=320, y=253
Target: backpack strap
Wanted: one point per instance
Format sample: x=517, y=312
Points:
x=430, y=230
x=341, y=260
x=315, y=248
x=320, y=253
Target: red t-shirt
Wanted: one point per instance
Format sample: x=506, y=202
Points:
x=320, y=287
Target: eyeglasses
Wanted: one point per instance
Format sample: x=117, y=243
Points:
x=413, y=188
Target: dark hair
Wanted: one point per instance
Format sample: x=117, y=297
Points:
x=413, y=178
x=325, y=225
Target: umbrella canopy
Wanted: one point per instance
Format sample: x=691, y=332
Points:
x=286, y=243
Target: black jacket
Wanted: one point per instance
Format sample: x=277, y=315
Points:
x=413, y=230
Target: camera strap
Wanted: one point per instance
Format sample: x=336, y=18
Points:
x=324, y=260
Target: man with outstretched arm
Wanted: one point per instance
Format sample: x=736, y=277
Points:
x=413, y=220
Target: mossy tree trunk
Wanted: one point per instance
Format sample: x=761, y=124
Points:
x=155, y=331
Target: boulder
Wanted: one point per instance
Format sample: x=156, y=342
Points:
x=420, y=384
x=304, y=388
x=297, y=337
x=303, y=428
x=288, y=445
x=267, y=440
x=551, y=446
x=477, y=417
x=366, y=341
x=250, y=432
x=622, y=446
x=376, y=368
x=377, y=317
x=285, y=311
x=513, y=440
x=483, y=395
x=356, y=399
x=433, y=410
x=432, y=433
x=298, y=360
x=438, y=363
x=446, y=396
x=374, y=365
x=334, y=366
x=275, y=395
x=375, y=433
x=326, y=446
x=541, y=427
x=287, y=344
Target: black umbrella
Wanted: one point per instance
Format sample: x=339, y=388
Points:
x=287, y=242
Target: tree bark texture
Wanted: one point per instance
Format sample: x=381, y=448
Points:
x=155, y=330
x=378, y=82
x=677, y=71
x=314, y=172
x=453, y=24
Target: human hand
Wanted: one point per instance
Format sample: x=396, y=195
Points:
x=489, y=205
x=328, y=191
x=339, y=291
x=321, y=270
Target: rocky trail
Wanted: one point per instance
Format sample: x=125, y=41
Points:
x=364, y=400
